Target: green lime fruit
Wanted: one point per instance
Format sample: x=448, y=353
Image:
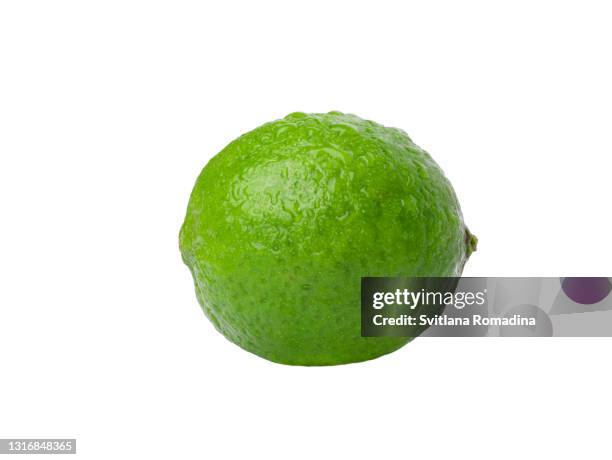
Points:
x=284, y=221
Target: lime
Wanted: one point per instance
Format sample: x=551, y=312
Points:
x=284, y=221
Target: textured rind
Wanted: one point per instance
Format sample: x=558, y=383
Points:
x=285, y=220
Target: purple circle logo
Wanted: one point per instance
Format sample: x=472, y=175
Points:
x=586, y=291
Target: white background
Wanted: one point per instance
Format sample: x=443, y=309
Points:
x=108, y=111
